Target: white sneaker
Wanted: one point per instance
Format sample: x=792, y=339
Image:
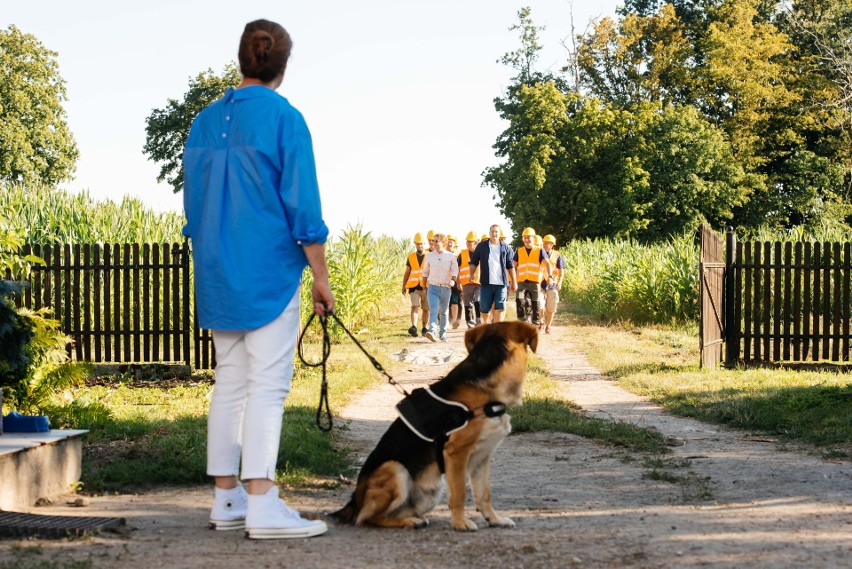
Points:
x=229, y=509
x=269, y=518
x=430, y=336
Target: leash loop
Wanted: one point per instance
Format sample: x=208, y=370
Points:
x=324, y=418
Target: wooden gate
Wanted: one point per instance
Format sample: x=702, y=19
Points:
x=711, y=278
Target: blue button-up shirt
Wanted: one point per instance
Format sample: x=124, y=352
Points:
x=251, y=200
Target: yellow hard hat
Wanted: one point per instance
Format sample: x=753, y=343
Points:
x=483, y=237
x=451, y=238
x=471, y=236
x=538, y=240
x=430, y=235
x=550, y=239
x=418, y=238
x=502, y=235
x=529, y=232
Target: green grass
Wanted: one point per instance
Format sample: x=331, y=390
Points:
x=813, y=407
x=544, y=410
x=157, y=433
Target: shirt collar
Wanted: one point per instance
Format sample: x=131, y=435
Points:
x=250, y=92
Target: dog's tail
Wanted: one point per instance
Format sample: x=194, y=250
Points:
x=346, y=514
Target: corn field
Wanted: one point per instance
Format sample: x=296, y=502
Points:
x=626, y=280
x=363, y=269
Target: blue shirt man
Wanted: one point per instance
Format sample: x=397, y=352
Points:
x=496, y=272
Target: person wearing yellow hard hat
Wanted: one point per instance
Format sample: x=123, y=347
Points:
x=552, y=286
x=412, y=284
x=430, y=238
x=470, y=282
x=494, y=258
x=530, y=263
x=455, y=291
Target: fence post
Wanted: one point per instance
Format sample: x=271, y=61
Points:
x=731, y=327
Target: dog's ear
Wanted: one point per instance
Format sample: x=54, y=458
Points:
x=524, y=333
x=472, y=336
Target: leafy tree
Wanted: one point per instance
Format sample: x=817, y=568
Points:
x=36, y=144
x=168, y=128
x=641, y=58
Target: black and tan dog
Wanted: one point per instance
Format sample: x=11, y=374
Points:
x=401, y=480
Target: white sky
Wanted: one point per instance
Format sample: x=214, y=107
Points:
x=397, y=94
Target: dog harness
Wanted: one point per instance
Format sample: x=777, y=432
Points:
x=434, y=419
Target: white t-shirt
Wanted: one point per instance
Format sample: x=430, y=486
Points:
x=495, y=267
x=440, y=268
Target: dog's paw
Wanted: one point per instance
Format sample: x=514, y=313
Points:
x=419, y=523
x=465, y=525
x=501, y=523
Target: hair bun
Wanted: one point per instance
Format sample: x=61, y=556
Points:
x=262, y=44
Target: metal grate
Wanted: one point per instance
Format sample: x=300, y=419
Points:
x=16, y=524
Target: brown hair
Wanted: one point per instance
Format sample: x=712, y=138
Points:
x=264, y=50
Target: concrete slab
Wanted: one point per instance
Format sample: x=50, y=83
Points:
x=38, y=465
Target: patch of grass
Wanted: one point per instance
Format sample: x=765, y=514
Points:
x=544, y=410
x=157, y=432
x=662, y=363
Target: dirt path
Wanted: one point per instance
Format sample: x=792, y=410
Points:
x=733, y=502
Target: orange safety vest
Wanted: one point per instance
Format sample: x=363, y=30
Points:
x=414, y=277
x=529, y=265
x=464, y=269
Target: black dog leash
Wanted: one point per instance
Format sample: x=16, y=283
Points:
x=323, y=407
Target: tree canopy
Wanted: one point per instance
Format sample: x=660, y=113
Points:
x=168, y=128
x=36, y=145
x=729, y=111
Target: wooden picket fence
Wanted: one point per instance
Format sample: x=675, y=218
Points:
x=121, y=303
x=781, y=302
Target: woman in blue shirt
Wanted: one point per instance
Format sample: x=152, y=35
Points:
x=253, y=213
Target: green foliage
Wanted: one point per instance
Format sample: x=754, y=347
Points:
x=16, y=332
x=167, y=128
x=36, y=144
x=47, y=216
x=624, y=280
x=49, y=376
x=363, y=271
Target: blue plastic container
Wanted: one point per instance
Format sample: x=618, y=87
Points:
x=14, y=422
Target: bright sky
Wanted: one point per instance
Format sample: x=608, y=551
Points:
x=397, y=94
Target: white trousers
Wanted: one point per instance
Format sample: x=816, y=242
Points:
x=253, y=373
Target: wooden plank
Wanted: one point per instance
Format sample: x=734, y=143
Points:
x=826, y=300
x=97, y=275
x=788, y=299
x=35, y=275
x=125, y=305
x=146, y=304
x=166, y=304
x=807, y=300
x=185, y=269
x=767, y=301
x=835, y=304
x=107, y=304
x=155, y=341
x=87, y=301
x=797, y=302
x=777, y=277
x=137, y=330
x=738, y=302
x=817, y=292
x=847, y=273
x=758, y=296
x=118, y=281
x=748, y=305
x=176, y=336
x=48, y=280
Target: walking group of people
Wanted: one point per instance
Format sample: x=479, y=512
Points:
x=447, y=283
